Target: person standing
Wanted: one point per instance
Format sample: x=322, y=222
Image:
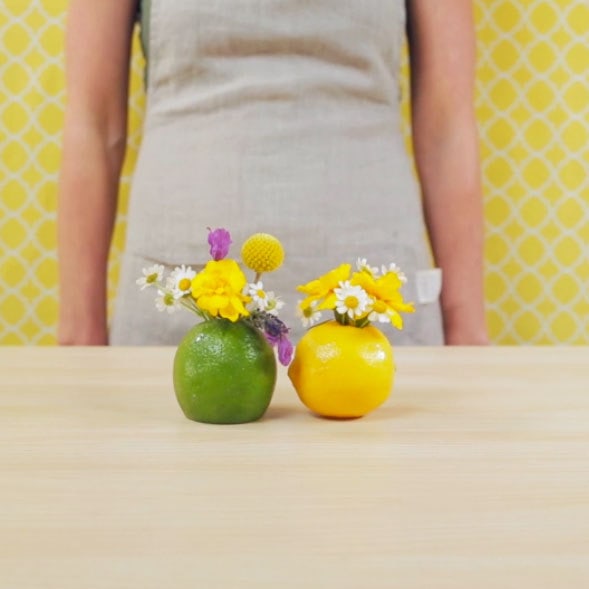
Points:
x=280, y=117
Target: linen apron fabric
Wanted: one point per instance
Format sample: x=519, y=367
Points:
x=280, y=116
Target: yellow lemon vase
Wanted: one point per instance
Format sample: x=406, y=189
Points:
x=342, y=371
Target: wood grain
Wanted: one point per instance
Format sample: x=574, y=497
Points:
x=474, y=475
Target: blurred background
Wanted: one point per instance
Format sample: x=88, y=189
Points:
x=533, y=111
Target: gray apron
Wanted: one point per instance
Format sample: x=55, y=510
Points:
x=281, y=117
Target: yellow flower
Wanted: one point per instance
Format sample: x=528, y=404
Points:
x=386, y=295
x=218, y=290
x=262, y=253
x=323, y=288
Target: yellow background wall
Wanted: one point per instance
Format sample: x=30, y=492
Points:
x=533, y=108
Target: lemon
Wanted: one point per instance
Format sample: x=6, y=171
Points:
x=224, y=372
x=342, y=371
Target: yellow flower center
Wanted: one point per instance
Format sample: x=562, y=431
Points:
x=184, y=284
x=261, y=294
x=168, y=299
x=151, y=278
x=307, y=312
x=351, y=302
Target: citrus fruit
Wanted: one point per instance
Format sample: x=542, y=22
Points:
x=224, y=372
x=342, y=371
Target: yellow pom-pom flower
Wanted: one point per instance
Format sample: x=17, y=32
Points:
x=262, y=253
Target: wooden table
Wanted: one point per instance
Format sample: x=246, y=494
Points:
x=474, y=475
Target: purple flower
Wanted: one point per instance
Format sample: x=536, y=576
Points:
x=271, y=339
x=274, y=327
x=276, y=333
x=285, y=350
x=219, y=240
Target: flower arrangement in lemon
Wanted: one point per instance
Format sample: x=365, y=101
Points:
x=369, y=294
x=221, y=290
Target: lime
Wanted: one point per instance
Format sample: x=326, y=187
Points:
x=224, y=372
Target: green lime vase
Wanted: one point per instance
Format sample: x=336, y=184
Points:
x=224, y=373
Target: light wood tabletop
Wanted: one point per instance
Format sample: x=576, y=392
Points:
x=475, y=474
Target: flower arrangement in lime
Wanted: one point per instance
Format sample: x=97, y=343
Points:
x=221, y=290
x=369, y=294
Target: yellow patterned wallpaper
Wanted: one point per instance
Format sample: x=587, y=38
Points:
x=533, y=108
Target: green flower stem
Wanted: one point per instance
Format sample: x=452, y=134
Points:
x=362, y=322
x=345, y=320
x=188, y=303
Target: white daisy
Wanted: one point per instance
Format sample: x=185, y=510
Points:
x=363, y=266
x=259, y=295
x=151, y=276
x=394, y=268
x=380, y=312
x=166, y=301
x=180, y=280
x=274, y=303
x=309, y=316
x=351, y=300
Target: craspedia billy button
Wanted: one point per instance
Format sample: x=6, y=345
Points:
x=262, y=253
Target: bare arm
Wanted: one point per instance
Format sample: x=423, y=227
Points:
x=97, y=66
x=443, y=49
